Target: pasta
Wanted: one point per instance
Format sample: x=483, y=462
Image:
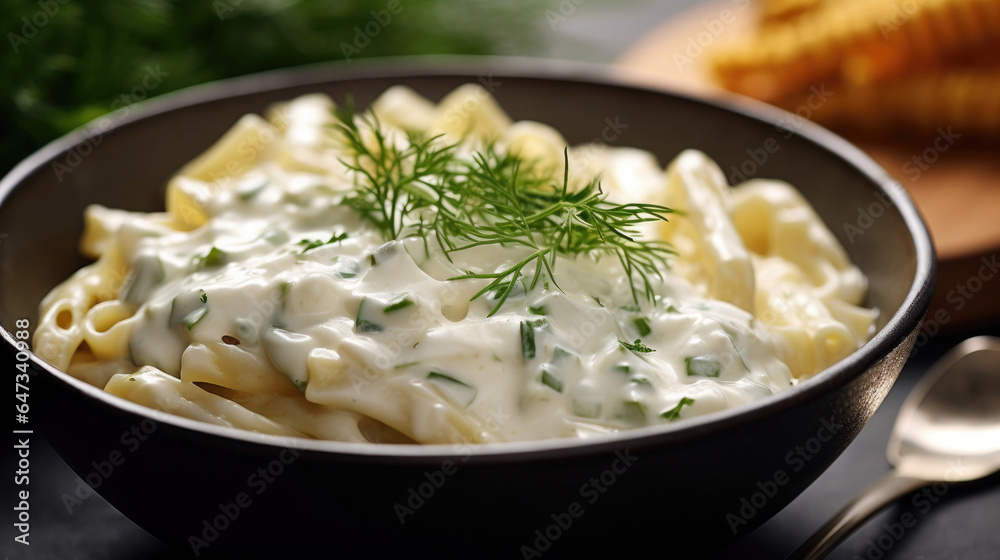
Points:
x=437, y=273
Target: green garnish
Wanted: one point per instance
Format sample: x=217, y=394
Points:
x=348, y=267
x=192, y=319
x=622, y=367
x=675, y=412
x=146, y=274
x=300, y=385
x=402, y=302
x=641, y=380
x=635, y=407
x=672, y=309
x=250, y=190
x=188, y=308
x=551, y=380
x=703, y=366
x=275, y=236
x=214, y=257
x=527, y=340
x=514, y=288
x=496, y=199
x=642, y=326
x=559, y=354
x=362, y=323
x=460, y=392
x=245, y=327
x=589, y=408
x=540, y=310
x=598, y=301
x=636, y=346
x=445, y=377
x=631, y=308
x=310, y=244
x=731, y=333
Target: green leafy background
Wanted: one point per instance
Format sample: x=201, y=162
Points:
x=89, y=53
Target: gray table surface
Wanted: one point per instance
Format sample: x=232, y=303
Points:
x=964, y=524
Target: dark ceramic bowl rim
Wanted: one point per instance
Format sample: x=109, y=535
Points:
x=904, y=321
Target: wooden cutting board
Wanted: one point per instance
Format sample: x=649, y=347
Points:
x=958, y=194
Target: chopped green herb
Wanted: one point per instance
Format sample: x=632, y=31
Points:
x=587, y=408
x=192, y=319
x=675, y=412
x=362, y=323
x=551, y=380
x=559, y=354
x=347, y=267
x=402, y=302
x=403, y=366
x=598, y=301
x=540, y=310
x=249, y=190
x=642, y=326
x=385, y=251
x=187, y=309
x=310, y=244
x=527, y=340
x=146, y=273
x=539, y=323
x=635, y=407
x=640, y=380
x=245, y=328
x=300, y=385
x=731, y=333
x=371, y=259
x=203, y=297
x=275, y=236
x=214, y=257
x=703, y=366
x=458, y=391
x=636, y=346
x=672, y=309
x=631, y=308
x=622, y=367
x=445, y=377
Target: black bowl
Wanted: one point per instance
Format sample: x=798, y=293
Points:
x=690, y=486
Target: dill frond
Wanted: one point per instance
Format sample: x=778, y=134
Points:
x=494, y=199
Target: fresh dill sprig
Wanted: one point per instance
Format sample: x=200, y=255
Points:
x=494, y=199
x=391, y=182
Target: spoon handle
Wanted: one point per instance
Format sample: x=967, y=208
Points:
x=886, y=489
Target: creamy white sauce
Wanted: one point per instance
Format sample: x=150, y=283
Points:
x=242, y=305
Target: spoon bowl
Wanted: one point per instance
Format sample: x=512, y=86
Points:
x=948, y=429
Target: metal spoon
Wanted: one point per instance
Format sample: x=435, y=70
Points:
x=948, y=430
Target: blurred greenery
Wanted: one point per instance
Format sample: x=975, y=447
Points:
x=66, y=62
